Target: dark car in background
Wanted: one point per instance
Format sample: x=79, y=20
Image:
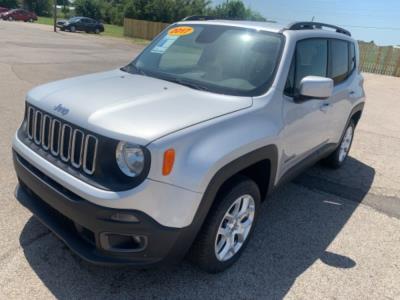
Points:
x=81, y=24
x=19, y=15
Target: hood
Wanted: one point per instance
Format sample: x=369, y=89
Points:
x=132, y=108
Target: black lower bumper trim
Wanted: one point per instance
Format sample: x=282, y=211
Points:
x=64, y=213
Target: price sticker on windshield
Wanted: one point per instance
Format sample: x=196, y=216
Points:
x=164, y=44
x=180, y=31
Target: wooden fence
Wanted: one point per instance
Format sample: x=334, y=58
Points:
x=143, y=29
x=373, y=59
x=379, y=60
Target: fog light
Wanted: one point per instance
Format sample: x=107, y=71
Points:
x=118, y=242
x=122, y=217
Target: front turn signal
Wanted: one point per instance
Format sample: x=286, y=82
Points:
x=169, y=159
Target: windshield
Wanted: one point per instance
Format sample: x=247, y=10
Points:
x=219, y=59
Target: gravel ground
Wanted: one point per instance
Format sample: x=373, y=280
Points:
x=328, y=234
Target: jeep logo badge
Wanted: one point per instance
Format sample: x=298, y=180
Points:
x=61, y=109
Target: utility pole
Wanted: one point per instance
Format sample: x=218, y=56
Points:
x=55, y=15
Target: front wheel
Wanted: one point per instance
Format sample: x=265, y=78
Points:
x=72, y=29
x=337, y=158
x=228, y=227
x=10, y=19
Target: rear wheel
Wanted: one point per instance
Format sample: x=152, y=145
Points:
x=337, y=158
x=97, y=31
x=228, y=227
x=30, y=20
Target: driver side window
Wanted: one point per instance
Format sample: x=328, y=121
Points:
x=310, y=59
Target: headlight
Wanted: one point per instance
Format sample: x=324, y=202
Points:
x=130, y=159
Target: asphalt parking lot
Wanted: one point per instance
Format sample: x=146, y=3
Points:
x=328, y=234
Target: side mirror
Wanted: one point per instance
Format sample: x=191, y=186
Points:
x=315, y=87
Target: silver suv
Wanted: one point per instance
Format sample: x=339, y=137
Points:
x=173, y=153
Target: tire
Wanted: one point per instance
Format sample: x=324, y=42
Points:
x=72, y=29
x=97, y=31
x=338, y=158
x=10, y=19
x=30, y=20
x=209, y=251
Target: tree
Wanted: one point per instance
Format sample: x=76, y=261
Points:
x=114, y=11
x=236, y=10
x=40, y=7
x=88, y=8
x=9, y=3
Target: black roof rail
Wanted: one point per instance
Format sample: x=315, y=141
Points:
x=316, y=25
x=198, y=18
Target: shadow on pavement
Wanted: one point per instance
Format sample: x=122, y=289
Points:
x=295, y=228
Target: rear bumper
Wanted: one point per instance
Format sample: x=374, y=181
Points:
x=86, y=228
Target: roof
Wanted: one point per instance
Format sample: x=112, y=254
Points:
x=273, y=27
x=268, y=26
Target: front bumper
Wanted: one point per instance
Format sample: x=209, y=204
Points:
x=82, y=225
x=167, y=204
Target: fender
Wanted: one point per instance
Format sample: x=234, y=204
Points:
x=358, y=108
x=269, y=152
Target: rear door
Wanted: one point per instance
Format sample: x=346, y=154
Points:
x=91, y=24
x=342, y=70
x=306, y=124
x=18, y=15
x=25, y=16
x=80, y=24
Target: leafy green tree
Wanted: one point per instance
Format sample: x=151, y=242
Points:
x=40, y=7
x=236, y=10
x=114, y=11
x=160, y=10
x=9, y=3
x=130, y=10
x=88, y=8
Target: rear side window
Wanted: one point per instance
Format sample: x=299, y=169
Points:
x=352, y=57
x=310, y=59
x=339, y=54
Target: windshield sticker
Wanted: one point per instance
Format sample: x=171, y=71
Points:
x=182, y=30
x=164, y=44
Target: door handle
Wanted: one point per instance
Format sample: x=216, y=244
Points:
x=351, y=93
x=324, y=107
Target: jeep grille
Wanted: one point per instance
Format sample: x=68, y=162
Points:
x=62, y=140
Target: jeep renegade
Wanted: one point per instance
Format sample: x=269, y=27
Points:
x=172, y=154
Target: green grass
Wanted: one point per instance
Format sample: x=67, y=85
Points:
x=45, y=20
x=109, y=30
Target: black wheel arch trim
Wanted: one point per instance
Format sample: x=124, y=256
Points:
x=269, y=152
x=358, y=108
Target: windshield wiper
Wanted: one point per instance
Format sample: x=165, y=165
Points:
x=134, y=70
x=187, y=83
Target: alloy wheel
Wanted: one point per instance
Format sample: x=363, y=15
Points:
x=235, y=227
x=346, y=143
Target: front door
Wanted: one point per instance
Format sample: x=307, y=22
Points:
x=307, y=124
